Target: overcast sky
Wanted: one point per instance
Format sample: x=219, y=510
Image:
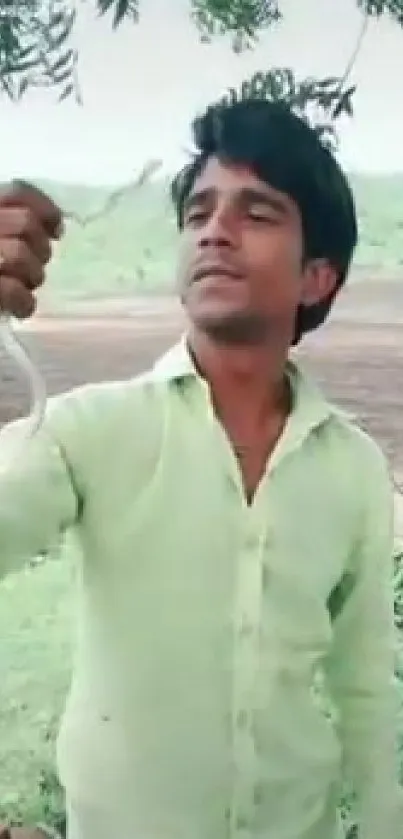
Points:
x=142, y=85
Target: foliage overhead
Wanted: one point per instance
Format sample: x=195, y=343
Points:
x=37, y=49
x=320, y=103
x=377, y=8
x=241, y=19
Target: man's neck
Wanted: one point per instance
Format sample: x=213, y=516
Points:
x=243, y=380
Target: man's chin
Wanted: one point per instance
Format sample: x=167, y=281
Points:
x=237, y=328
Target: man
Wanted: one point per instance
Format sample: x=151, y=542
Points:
x=235, y=529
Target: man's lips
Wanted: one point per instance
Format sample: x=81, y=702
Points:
x=215, y=270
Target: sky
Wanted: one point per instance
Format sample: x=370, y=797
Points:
x=143, y=84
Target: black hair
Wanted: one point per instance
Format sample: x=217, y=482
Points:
x=287, y=154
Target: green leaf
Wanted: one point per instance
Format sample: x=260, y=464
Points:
x=66, y=93
x=105, y=5
x=378, y=8
x=23, y=86
x=57, y=40
x=8, y=88
x=24, y=52
x=122, y=9
x=344, y=105
x=61, y=62
x=21, y=67
x=332, y=81
x=242, y=19
x=59, y=78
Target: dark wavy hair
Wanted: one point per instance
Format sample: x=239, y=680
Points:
x=287, y=154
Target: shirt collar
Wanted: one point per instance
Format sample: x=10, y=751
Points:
x=175, y=364
x=310, y=405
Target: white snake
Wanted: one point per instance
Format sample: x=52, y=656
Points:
x=16, y=350
x=15, y=347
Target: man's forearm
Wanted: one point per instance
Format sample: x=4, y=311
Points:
x=37, y=501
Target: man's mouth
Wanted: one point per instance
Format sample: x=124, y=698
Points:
x=215, y=270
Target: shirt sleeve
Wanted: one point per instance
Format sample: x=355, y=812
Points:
x=361, y=666
x=38, y=496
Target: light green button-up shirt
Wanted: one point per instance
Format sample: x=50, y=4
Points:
x=203, y=622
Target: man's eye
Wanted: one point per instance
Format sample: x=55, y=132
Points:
x=262, y=216
x=196, y=217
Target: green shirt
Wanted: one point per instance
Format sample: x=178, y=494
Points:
x=203, y=623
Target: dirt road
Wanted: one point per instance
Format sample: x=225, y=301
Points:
x=357, y=357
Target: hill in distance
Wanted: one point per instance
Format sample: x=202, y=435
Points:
x=131, y=249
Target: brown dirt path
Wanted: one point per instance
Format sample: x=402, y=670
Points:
x=357, y=357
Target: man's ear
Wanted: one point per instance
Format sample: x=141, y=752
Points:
x=319, y=282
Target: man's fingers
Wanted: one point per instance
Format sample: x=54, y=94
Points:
x=29, y=219
x=17, y=260
x=21, y=193
x=16, y=298
x=23, y=223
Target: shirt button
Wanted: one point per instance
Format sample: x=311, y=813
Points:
x=252, y=543
x=257, y=795
x=265, y=577
x=242, y=823
x=242, y=719
x=246, y=629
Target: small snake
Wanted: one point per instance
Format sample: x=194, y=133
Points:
x=17, y=351
x=12, y=343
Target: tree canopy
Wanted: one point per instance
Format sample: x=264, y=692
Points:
x=37, y=50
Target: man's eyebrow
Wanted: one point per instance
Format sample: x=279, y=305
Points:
x=199, y=197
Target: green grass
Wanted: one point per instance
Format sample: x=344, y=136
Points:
x=35, y=657
x=132, y=249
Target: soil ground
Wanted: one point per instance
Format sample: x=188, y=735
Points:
x=357, y=357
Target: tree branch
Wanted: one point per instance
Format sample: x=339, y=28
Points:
x=356, y=51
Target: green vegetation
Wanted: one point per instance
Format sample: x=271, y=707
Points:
x=37, y=41
x=35, y=628
x=131, y=250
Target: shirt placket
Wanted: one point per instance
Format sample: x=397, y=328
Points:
x=247, y=617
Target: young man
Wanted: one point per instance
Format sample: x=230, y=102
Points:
x=235, y=529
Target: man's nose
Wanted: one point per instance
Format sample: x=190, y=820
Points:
x=218, y=232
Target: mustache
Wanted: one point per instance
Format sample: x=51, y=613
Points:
x=217, y=268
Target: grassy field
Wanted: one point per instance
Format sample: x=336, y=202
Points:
x=132, y=249
x=36, y=636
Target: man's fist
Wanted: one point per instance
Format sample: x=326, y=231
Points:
x=29, y=221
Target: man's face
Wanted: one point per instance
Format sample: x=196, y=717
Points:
x=242, y=273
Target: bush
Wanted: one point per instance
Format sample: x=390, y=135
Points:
x=47, y=807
